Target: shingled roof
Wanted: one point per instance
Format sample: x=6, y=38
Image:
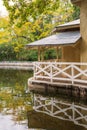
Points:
x=63, y=38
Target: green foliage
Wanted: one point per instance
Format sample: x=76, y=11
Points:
x=7, y=52
x=22, y=11
x=64, y=12
x=76, y=13
x=29, y=55
x=4, y=30
x=50, y=54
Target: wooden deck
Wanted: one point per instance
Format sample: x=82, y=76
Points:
x=60, y=75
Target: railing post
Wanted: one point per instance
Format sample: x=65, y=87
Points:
x=52, y=106
x=51, y=73
x=73, y=112
x=72, y=73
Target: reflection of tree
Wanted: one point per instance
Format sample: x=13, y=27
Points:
x=13, y=97
x=15, y=101
x=8, y=78
x=61, y=110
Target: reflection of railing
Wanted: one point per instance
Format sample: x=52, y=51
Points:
x=60, y=71
x=61, y=110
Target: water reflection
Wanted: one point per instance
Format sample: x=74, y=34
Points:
x=52, y=113
x=49, y=113
x=7, y=123
x=14, y=101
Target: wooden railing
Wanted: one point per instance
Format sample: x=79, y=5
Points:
x=61, y=72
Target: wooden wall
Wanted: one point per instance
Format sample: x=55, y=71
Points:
x=71, y=53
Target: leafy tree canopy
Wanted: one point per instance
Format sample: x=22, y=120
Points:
x=36, y=18
x=4, y=30
x=31, y=20
x=22, y=11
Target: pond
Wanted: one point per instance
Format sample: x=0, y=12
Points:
x=21, y=109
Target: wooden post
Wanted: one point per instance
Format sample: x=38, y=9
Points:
x=39, y=53
x=51, y=73
x=62, y=57
x=42, y=54
x=57, y=55
x=72, y=73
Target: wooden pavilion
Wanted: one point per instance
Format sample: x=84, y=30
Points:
x=71, y=72
x=67, y=37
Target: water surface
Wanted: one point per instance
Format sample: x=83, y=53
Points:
x=23, y=110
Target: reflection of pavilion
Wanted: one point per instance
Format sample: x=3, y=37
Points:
x=61, y=110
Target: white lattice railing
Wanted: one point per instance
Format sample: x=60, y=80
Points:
x=61, y=110
x=61, y=71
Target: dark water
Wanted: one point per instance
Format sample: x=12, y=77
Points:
x=22, y=110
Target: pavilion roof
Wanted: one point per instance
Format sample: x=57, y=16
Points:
x=59, y=39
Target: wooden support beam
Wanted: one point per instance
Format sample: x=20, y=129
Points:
x=42, y=54
x=57, y=53
x=62, y=57
x=39, y=53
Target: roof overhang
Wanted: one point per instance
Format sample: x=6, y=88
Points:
x=60, y=39
x=70, y=26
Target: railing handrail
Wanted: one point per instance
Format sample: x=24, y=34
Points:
x=63, y=63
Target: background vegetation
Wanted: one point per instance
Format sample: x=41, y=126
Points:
x=31, y=20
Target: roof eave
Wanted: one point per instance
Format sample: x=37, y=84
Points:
x=54, y=45
x=60, y=39
x=66, y=28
